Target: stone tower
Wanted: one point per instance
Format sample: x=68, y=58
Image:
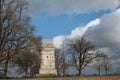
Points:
x=47, y=58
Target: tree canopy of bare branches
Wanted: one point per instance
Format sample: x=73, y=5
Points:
x=61, y=61
x=98, y=65
x=82, y=52
x=16, y=31
x=103, y=63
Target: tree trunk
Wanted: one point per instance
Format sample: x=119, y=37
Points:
x=106, y=71
x=26, y=72
x=6, y=68
x=0, y=23
x=99, y=71
x=58, y=73
x=63, y=72
x=80, y=72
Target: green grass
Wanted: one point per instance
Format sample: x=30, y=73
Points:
x=71, y=78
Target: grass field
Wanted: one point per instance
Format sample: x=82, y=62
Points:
x=75, y=78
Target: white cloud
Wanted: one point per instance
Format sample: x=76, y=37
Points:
x=71, y=6
x=103, y=32
x=106, y=34
x=80, y=31
x=76, y=33
x=58, y=41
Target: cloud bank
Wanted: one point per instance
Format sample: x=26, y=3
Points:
x=103, y=32
x=71, y=6
x=106, y=34
x=76, y=33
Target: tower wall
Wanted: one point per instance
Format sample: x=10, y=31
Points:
x=47, y=58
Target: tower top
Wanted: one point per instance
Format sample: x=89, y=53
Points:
x=47, y=43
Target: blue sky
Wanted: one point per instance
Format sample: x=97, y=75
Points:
x=59, y=17
x=49, y=26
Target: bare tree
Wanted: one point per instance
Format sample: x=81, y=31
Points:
x=57, y=61
x=98, y=65
x=28, y=59
x=15, y=30
x=107, y=64
x=13, y=25
x=82, y=53
x=61, y=61
x=103, y=63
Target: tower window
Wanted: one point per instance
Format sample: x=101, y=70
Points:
x=47, y=56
